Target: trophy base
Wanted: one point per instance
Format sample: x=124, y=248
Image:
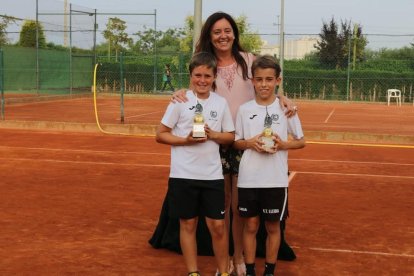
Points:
x=198, y=131
x=268, y=143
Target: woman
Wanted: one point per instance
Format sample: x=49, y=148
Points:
x=220, y=36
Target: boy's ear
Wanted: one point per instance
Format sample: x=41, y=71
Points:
x=278, y=80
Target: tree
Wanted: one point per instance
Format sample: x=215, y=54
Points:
x=4, y=22
x=167, y=41
x=359, y=42
x=28, y=34
x=249, y=40
x=330, y=51
x=186, y=43
x=116, y=35
x=334, y=45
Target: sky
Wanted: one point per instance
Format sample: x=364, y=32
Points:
x=387, y=23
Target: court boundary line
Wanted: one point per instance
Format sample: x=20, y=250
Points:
x=157, y=165
x=85, y=150
x=84, y=162
x=140, y=115
x=355, y=251
x=356, y=162
x=357, y=174
x=360, y=144
x=168, y=154
x=329, y=116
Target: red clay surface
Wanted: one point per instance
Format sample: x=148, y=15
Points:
x=373, y=118
x=86, y=204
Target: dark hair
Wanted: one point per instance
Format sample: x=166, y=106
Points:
x=264, y=62
x=204, y=44
x=206, y=59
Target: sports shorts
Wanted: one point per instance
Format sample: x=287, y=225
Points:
x=190, y=198
x=270, y=203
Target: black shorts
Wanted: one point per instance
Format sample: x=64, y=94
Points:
x=189, y=198
x=230, y=159
x=270, y=203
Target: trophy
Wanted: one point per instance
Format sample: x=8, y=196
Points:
x=198, y=124
x=266, y=137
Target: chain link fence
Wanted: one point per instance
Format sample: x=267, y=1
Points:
x=68, y=70
x=60, y=73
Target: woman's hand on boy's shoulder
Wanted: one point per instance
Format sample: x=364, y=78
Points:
x=289, y=105
x=179, y=96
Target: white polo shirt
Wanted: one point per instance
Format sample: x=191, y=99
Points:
x=202, y=160
x=264, y=170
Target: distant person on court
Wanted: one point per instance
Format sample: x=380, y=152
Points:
x=194, y=130
x=262, y=132
x=166, y=78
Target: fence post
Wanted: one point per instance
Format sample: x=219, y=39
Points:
x=181, y=70
x=121, y=67
x=349, y=68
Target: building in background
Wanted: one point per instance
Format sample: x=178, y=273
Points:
x=294, y=49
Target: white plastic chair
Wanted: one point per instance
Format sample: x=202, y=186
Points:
x=394, y=93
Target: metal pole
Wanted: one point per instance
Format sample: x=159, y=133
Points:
x=65, y=23
x=70, y=49
x=355, y=45
x=95, y=27
x=37, y=48
x=198, y=7
x=349, y=67
x=282, y=43
x=155, y=51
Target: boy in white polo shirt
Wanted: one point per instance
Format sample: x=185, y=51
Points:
x=262, y=130
x=196, y=184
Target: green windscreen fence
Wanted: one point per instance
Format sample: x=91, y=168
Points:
x=61, y=72
x=46, y=72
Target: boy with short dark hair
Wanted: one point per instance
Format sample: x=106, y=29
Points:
x=262, y=131
x=195, y=129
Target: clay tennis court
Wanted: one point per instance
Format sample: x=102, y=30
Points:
x=86, y=203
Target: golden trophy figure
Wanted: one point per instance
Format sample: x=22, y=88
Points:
x=198, y=124
x=267, y=134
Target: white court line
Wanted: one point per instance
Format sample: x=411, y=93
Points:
x=329, y=116
x=165, y=166
x=291, y=176
x=87, y=151
x=357, y=252
x=358, y=174
x=351, y=162
x=140, y=115
x=47, y=101
x=168, y=154
x=84, y=162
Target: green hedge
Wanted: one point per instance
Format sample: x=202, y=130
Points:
x=332, y=84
